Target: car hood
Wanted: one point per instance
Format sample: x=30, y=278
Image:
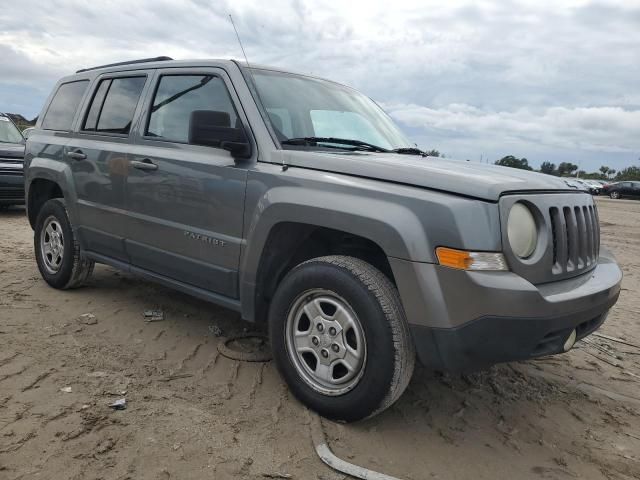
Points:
x=11, y=151
x=487, y=182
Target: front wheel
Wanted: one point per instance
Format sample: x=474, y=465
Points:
x=615, y=195
x=340, y=338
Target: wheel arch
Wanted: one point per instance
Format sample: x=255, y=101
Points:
x=285, y=234
x=41, y=190
x=47, y=179
x=290, y=244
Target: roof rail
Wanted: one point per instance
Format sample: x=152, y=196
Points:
x=130, y=62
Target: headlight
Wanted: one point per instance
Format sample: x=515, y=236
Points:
x=522, y=231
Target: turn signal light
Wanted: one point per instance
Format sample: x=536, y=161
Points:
x=465, y=260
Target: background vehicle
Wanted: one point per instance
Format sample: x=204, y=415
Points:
x=298, y=202
x=27, y=131
x=622, y=189
x=575, y=184
x=592, y=187
x=11, y=163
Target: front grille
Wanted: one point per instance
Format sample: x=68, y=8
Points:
x=11, y=194
x=575, y=234
x=569, y=236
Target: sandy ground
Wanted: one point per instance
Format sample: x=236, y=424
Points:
x=193, y=414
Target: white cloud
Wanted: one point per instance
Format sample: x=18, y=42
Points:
x=534, y=76
x=601, y=129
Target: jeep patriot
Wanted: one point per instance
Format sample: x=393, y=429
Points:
x=298, y=203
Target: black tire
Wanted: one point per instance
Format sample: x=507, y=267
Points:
x=73, y=270
x=615, y=195
x=372, y=297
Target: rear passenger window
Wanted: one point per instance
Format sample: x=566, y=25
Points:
x=64, y=105
x=113, y=105
x=177, y=96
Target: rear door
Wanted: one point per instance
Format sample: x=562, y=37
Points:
x=186, y=201
x=626, y=188
x=98, y=157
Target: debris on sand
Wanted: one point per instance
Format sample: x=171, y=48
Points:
x=245, y=348
x=119, y=404
x=66, y=390
x=216, y=331
x=153, y=315
x=176, y=376
x=88, y=319
x=276, y=475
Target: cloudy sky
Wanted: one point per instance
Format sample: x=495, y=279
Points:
x=547, y=80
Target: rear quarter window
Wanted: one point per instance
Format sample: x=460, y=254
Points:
x=64, y=105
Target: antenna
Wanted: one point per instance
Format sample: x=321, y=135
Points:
x=255, y=85
x=240, y=42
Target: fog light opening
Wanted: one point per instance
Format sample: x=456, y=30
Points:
x=570, y=342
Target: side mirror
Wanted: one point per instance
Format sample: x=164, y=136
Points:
x=213, y=129
x=26, y=132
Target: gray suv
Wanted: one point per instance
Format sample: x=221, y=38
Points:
x=297, y=202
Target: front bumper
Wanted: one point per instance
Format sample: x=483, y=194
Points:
x=11, y=188
x=469, y=320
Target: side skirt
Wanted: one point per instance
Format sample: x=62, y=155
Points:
x=230, y=303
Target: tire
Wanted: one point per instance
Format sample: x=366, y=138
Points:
x=615, y=195
x=372, y=325
x=63, y=267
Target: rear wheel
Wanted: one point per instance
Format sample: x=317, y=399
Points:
x=56, y=248
x=340, y=338
x=615, y=195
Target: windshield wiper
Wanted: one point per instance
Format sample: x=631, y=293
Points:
x=409, y=151
x=339, y=141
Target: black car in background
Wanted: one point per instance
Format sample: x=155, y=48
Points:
x=11, y=163
x=622, y=189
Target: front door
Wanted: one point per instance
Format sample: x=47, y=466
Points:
x=186, y=201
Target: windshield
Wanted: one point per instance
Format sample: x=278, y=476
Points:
x=304, y=107
x=8, y=132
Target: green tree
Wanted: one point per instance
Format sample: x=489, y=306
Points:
x=567, y=168
x=629, y=173
x=548, y=168
x=513, y=162
x=604, y=170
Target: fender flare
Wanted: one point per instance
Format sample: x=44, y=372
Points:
x=392, y=226
x=56, y=172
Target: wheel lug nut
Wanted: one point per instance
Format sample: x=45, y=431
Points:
x=335, y=347
x=332, y=331
x=324, y=353
x=320, y=327
x=315, y=341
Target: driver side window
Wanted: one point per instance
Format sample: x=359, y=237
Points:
x=178, y=98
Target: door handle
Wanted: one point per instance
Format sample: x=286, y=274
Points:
x=77, y=155
x=145, y=164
